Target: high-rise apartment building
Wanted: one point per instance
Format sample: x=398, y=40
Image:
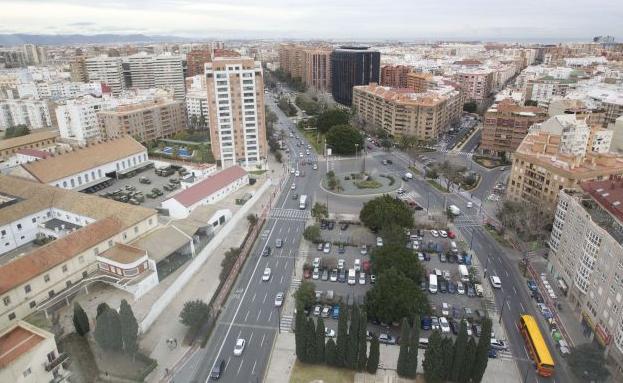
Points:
x=586, y=258
x=419, y=81
x=316, y=68
x=196, y=60
x=197, y=109
x=163, y=71
x=291, y=59
x=544, y=89
x=77, y=118
x=106, y=70
x=395, y=76
x=35, y=114
x=78, y=69
x=146, y=121
x=505, y=126
x=352, y=66
x=235, y=88
x=477, y=83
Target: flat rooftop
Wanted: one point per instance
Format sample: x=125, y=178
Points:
x=603, y=200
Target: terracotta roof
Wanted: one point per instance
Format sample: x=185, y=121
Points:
x=89, y=157
x=608, y=193
x=209, y=186
x=22, y=269
x=15, y=342
x=34, y=153
x=122, y=253
x=27, y=139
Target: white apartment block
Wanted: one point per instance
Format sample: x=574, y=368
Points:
x=106, y=70
x=77, y=119
x=163, y=71
x=58, y=90
x=30, y=112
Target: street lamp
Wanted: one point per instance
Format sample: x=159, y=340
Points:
x=502, y=310
x=471, y=241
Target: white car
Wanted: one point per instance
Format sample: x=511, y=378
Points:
x=445, y=326
x=362, y=278
x=292, y=171
x=315, y=167
x=434, y=323
x=460, y=289
x=301, y=155
x=341, y=263
x=496, y=282
x=443, y=233
x=379, y=241
x=445, y=309
x=279, y=300
x=470, y=204
x=364, y=250
x=293, y=186
x=297, y=173
x=498, y=344
x=316, y=273
x=434, y=233
x=327, y=248
x=357, y=264
x=308, y=146
x=316, y=262
x=329, y=333
x=420, y=257
x=325, y=311
x=239, y=347
x=266, y=275
x=317, y=310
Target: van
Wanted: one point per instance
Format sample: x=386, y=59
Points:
x=351, y=277
x=357, y=264
x=479, y=289
x=432, y=284
x=464, y=273
x=423, y=343
x=218, y=369
x=453, y=247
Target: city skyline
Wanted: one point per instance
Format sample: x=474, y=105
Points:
x=481, y=19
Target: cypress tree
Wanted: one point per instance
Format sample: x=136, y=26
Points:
x=460, y=347
x=331, y=353
x=101, y=308
x=362, y=341
x=300, y=336
x=129, y=327
x=311, y=342
x=470, y=356
x=320, y=357
x=403, y=357
x=108, y=330
x=373, y=359
x=342, y=338
x=433, y=363
x=447, y=353
x=352, y=349
x=81, y=320
x=414, y=341
x=482, y=351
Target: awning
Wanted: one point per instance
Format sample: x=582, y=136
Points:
x=92, y=183
x=134, y=168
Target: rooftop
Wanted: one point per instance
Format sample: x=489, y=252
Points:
x=210, y=185
x=34, y=153
x=405, y=96
x=28, y=139
x=605, y=205
x=124, y=254
x=18, y=340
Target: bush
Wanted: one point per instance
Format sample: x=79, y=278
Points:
x=312, y=233
x=194, y=313
x=344, y=139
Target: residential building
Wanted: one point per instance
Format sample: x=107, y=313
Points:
x=316, y=68
x=77, y=118
x=52, y=240
x=196, y=60
x=165, y=71
x=544, y=89
x=291, y=60
x=29, y=354
x=78, y=69
x=146, y=121
x=197, y=109
x=352, y=66
x=395, y=76
x=235, y=88
x=586, y=258
x=35, y=114
x=477, y=83
x=554, y=156
x=419, y=82
x=206, y=191
x=87, y=167
x=106, y=70
x=44, y=140
x=505, y=126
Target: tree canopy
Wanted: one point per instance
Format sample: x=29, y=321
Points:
x=385, y=210
x=398, y=257
x=344, y=139
x=330, y=118
x=395, y=296
x=16, y=131
x=194, y=313
x=305, y=295
x=587, y=362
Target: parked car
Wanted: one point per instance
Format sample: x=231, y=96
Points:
x=443, y=258
x=452, y=287
x=445, y=309
x=340, y=264
x=325, y=311
x=498, y=345
x=330, y=225
x=387, y=339
x=341, y=249
x=344, y=226
x=426, y=323
x=317, y=310
x=279, y=243
x=327, y=248
x=454, y=327
x=364, y=250
x=316, y=273
x=434, y=233
x=443, y=324
x=329, y=333
x=366, y=266
x=443, y=234
x=333, y=277
x=372, y=279
x=320, y=246
x=362, y=278
x=341, y=277
x=279, y=300
x=379, y=241
x=325, y=275
x=434, y=323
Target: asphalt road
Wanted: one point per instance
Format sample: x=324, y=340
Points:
x=249, y=312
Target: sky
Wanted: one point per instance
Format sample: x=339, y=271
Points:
x=529, y=20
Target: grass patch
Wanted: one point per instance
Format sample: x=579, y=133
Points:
x=315, y=139
x=415, y=170
x=466, y=187
x=487, y=162
x=437, y=186
x=497, y=236
x=257, y=172
x=306, y=373
x=368, y=184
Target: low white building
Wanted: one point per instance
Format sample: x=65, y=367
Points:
x=206, y=191
x=30, y=112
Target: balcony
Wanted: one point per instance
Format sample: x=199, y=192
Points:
x=49, y=366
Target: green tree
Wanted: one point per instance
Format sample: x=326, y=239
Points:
x=588, y=364
x=252, y=218
x=331, y=353
x=344, y=139
x=228, y=262
x=319, y=211
x=300, y=335
x=16, y=131
x=305, y=295
x=320, y=351
x=387, y=144
x=403, y=357
x=311, y=342
x=395, y=296
x=393, y=234
x=382, y=211
x=414, y=342
x=330, y=118
x=460, y=349
x=531, y=103
x=397, y=257
x=482, y=351
x=108, y=330
x=101, y=308
x=447, y=351
x=353, y=339
x=433, y=363
x=194, y=313
x=470, y=107
x=362, y=345
x=312, y=233
x=81, y=320
x=373, y=359
x=432, y=173
x=342, y=338
x=278, y=157
x=129, y=327
x=470, y=356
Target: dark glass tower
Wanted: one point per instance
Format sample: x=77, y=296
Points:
x=352, y=66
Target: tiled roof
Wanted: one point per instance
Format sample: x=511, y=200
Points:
x=209, y=186
x=22, y=269
x=15, y=342
x=122, y=253
x=89, y=157
x=27, y=139
x=34, y=153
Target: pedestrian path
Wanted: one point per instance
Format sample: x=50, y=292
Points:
x=296, y=282
x=290, y=214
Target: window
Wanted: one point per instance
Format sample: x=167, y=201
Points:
x=64, y=268
x=27, y=289
x=34, y=219
x=32, y=304
x=6, y=300
x=125, y=235
x=149, y=221
x=11, y=316
x=19, y=226
x=46, y=278
x=135, y=229
x=27, y=372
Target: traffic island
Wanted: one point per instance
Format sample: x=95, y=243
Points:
x=359, y=184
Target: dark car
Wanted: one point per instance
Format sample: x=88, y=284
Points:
x=330, y=225
x=341, y=277
x=443, y=286
x=532, y=285
x=217, y=371
x=341, y=249
x=323, y=225
x=452, y=288
x=426, y=323
x=267, y=251
x=443, y=258
x=493, y=353
x=295, y=196
x=426, y=257
x=423, y=286
x=344, y=226
x=476, y=329
x=320, y=246
x=454, y=327
x=538, y=297
x=470, y=291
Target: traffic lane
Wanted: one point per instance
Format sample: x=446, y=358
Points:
x=241, y=368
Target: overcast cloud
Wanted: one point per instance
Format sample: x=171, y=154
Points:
x=301, y=19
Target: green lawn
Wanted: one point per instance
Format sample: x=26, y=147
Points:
x=315, y=139
x=501, y=240
x=437, y=186
x=306, y=373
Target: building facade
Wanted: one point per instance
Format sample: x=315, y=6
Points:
x=35, y=114
x=165, y=71
x=44, y=140
x=394, y=76
x=419, y=81
x=196, y=60
x=316, y=68
x=235, y=88
x=477, y=84
x=106, y=70
x=352, y=66
x=77, y=119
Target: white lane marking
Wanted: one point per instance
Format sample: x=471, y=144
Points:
x=239, y=332
x=285, y=267
x=270, y=315
x=523, y=309
x=253, y=369
x=265, y=296
x=277, y=263
x=262, y=342
x=289, y=228
x=228, y=360
x=260, y=313
x=506, y=273
x=515, y=290
x=281, y=281
x=254, y=295
x=239, y=367
x=508, y=305
x=250, y=338
x=241, y=300
x=246, y=316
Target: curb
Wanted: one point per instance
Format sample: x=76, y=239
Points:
x=270, y=357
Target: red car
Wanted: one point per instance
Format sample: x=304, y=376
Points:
x=366, y=266
x=451, y=235
x=306, y=273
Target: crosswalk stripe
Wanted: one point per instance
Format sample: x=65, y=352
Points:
x=291, y=214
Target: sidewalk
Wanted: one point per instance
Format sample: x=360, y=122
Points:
x=202, y=286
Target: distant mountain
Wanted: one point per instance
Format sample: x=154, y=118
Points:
x=22, y=38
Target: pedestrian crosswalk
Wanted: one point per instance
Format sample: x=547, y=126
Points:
x=505, y=354
x=456, y=153
x=296, y=282
x=290, y=214
x=285, y=325
x=467, y=221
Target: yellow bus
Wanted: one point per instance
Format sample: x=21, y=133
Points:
x=537, y=348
